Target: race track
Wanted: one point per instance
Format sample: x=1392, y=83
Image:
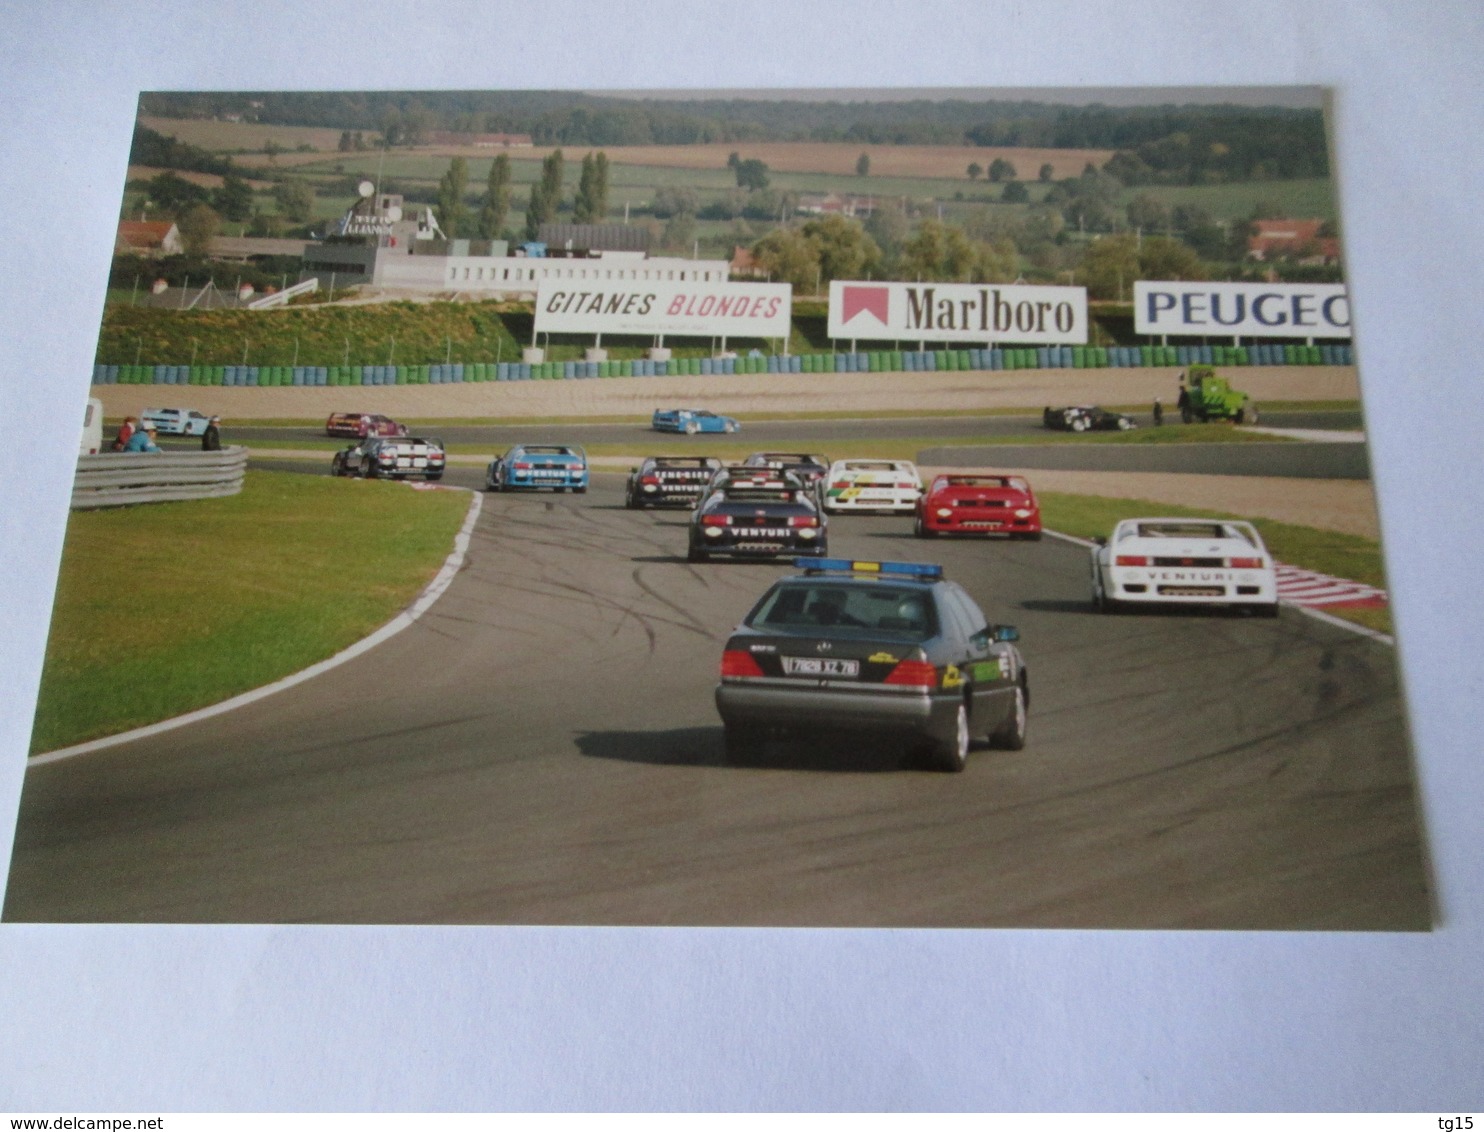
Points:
x=542, y=748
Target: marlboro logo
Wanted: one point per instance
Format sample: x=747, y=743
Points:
x=872, y=300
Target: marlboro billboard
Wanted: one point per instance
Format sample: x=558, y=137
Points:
x=985, y=313
x=703, y=310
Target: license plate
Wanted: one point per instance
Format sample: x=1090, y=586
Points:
x=820, y=666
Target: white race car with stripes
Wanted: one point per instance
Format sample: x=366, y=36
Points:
x=872, y=485
x=1184, y=562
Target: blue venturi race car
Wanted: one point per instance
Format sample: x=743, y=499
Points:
x=692, y=421
x=529, y=467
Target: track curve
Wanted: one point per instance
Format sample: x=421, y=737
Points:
x=542, y=748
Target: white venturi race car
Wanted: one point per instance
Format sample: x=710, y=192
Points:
x=872, y=485
x=1184, y=562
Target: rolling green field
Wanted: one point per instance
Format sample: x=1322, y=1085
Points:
x=169, y=607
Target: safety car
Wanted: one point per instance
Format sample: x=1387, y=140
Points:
x=874, y=647
x=692, y=421
x=1151, y=562
x=976, y=504
x=1086, y=418
x=531, y=467
x=669, y=481
x=756, y=513
x=872, y=485
x=391, y=457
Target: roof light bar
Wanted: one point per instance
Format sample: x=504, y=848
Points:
x=851, y=566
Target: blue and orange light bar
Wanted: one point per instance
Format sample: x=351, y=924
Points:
x=851, y=566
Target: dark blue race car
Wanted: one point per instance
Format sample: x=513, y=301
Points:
x=530, y=467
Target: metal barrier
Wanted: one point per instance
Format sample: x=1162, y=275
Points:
x=115, y=479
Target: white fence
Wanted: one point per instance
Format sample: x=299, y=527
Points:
x=114, y=479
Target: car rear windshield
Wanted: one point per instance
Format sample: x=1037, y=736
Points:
x=1189, y=530
x=548, y=450
x=871, y=608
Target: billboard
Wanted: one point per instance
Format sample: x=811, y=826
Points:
x=1267, y=310
x=985, y=313
x=679, y=308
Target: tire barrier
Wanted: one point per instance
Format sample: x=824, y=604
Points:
x=117, y=479
x=875, y=361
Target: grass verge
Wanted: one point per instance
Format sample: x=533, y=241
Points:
x=165, y=608
x=1328, y=552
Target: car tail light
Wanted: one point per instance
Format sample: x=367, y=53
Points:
x=650, y=480
x=1131, y=560
x=907, y=486
x=738, y=662
x=840, y=485
x=578, y=468
x=803, y=521
x=715, y=520
x=914, y=674
x=1245, y=563
x=435, y=457
x=521, y=466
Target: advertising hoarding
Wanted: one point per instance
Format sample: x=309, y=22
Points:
x=986, y=313
x=678, y=308
x=1266, y=310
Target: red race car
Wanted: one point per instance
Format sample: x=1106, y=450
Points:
x=978, y=505
x=362, y=425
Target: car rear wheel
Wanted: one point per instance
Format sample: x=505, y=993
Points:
x=921, y=530
x=952, y=755
x=1011, y=734
x=1079, y=424
x=368, y=468
x=696, y=555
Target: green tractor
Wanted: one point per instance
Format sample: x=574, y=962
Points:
x=1206, y=397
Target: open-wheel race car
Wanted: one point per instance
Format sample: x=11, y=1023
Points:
x=978, y=504
x=1086, y=418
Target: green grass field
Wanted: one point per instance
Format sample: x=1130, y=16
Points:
x=1329, y=552
x=165, y=608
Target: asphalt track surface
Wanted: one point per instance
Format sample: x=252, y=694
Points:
x=771, y=432
x=542, y=747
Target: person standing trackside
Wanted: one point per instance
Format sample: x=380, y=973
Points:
x=126, y=430
x=211, y=436
x=1159, y=413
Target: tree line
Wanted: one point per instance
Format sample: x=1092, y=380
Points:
x=1187, y=144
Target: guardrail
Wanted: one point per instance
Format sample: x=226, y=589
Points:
x=115, y=479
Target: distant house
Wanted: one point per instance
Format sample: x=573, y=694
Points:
x=151, y=238
x=744, y=264
x=482, y=141
x=1298, y=240
x=835, y=204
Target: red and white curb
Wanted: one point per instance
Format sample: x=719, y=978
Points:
x=433, y=591
x=1306, y=587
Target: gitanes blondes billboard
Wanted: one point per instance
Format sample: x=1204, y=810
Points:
x=985, y=313
x=681, y=308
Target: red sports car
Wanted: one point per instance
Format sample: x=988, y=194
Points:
x=978, y=505
x=362, y=425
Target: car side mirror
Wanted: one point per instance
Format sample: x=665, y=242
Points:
x=1005, y=633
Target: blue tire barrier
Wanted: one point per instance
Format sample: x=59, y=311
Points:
x=795, y=364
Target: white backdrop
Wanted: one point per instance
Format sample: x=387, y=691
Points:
x=157, y=1018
